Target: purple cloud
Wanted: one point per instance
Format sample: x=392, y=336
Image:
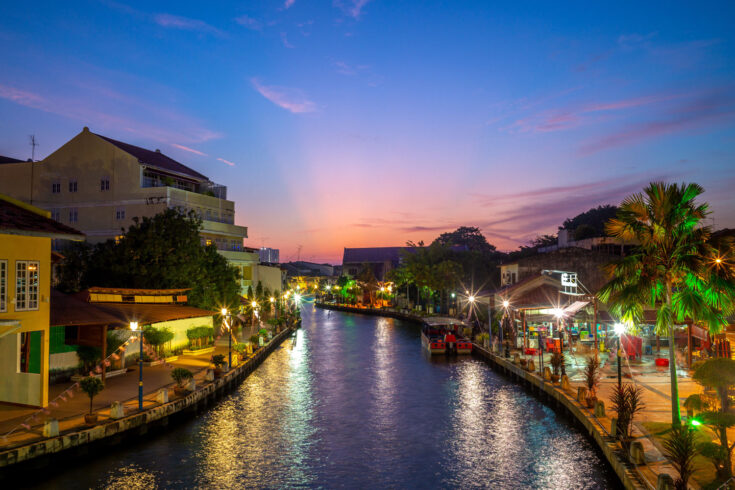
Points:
x=291, y=99
x=249, y=22
x=184, y=23
x=353, y=8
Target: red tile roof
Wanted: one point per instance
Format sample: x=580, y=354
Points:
x=18, y=220
x=155, y=159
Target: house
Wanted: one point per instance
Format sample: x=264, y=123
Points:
x=25, y=290
x=99, y=184
x=380, y=260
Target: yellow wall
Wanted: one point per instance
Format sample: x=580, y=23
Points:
x=16, y=387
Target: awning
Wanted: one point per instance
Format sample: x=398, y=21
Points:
x=9, y=326
x=574, y=308
x=699, y=333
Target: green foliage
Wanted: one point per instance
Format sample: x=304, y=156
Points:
x=239, y=347
x=671, y=267
x=181, y=375
x=255, y=340
x=201, y=332
x=627, y=402
x=218, y=360
x=681, y=448
x=159, y=252
x=590, y=223
x=592, y=374
x=557, y=360
x=718, y=373
x=89, y=356
x=262, y=332
x=91, y=386
x=469, y=237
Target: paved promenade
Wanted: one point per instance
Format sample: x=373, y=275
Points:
x=122, y=388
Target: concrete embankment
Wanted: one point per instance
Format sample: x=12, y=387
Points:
x=544, y=390
x=79, y=443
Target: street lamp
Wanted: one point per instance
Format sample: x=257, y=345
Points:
x=229, y=337
x=134, y=328
x=619, y=329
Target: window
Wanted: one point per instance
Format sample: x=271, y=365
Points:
x=105, y=184
x=56, y=187
x=3, y=285
x=56, y=214
x=73, y=215
x=118, y=238
x=208, y=242
x=120, y=213
x=26, y=285
x=72, y=185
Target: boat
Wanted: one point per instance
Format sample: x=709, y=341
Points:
x=434, y=333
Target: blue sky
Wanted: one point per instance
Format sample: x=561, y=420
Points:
x=368, y=123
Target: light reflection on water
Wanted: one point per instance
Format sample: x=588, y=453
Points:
x=352, y=402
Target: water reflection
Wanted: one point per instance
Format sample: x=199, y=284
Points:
x=352, y=402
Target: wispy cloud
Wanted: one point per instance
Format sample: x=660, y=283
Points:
x=231, y=164
x=353, y=8
x=168, y=126
x=707, y=110
x=291, y=99
x=288, y=4
x=284, y=40
x=185, y=23
x=190, y=150
x=249, y=22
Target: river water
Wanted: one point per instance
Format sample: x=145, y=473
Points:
x=351, y=401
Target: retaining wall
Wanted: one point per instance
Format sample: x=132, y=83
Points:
x=77, y=443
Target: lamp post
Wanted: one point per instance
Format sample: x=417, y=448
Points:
x=229, y=338
x=619, y=330
x=134, y=328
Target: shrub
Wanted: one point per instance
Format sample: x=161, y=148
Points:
x=91, y=386
x=218, y=360
x=255, y=340
x=592, y=374
x=557, y=359
x=181, y=375
x=89, y=356
x=680, y=448
x=239, y=347
x=157, y=337
x=627, y=402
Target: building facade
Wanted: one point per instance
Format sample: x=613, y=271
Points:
x=25, y=289
x=98, y=185
x=269, y=255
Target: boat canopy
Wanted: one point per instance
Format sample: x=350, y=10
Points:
x=438, y=321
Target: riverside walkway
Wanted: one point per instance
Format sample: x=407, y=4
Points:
x=653, y=380
x=30, y=443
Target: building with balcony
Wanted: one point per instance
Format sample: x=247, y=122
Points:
x=97, y=184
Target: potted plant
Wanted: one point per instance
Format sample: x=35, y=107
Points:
x=240, y=348
x=218, y=361
x=255, y=340
x=181, y=376
x=592, y=379
x=557, y=359
x=91, y=386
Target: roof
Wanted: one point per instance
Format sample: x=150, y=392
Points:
x=4, y=159
x=372, y=254
x=147, y=313
x=139, y=292
x=443, y=320
x=67, y=310
x=155, y=159
x=17, y=218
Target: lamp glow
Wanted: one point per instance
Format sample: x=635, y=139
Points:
x=272, y=299
x=254, y=304
x=558, y=312
x=224, y=311
x=297, y=297
x=506, y=303
x=471, y=299
x=619, y=328
x=133, y=326
x=695, y=423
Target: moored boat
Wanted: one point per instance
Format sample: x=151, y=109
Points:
x=443, y=335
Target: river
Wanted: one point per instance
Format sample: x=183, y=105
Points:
x=351, y=401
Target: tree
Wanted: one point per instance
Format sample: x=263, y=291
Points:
x=672, y=267
x=91, y=386
x=159, y=252
x=367, y=280
x=469, y=237
x=592, y=222
x=719, y=373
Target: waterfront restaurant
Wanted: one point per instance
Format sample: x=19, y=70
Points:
x=552, y=306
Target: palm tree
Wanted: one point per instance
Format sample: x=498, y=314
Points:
x=673, y=266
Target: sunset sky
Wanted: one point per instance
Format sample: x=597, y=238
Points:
x=347, y=123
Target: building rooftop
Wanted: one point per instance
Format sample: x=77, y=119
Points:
x=18, y=218
x=67, y=310
x=4, y=159
x=155, y=159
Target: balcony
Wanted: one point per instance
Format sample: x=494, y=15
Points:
x=156, y=179
x=223, y=229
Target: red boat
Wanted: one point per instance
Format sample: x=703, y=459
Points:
x=443, y=335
